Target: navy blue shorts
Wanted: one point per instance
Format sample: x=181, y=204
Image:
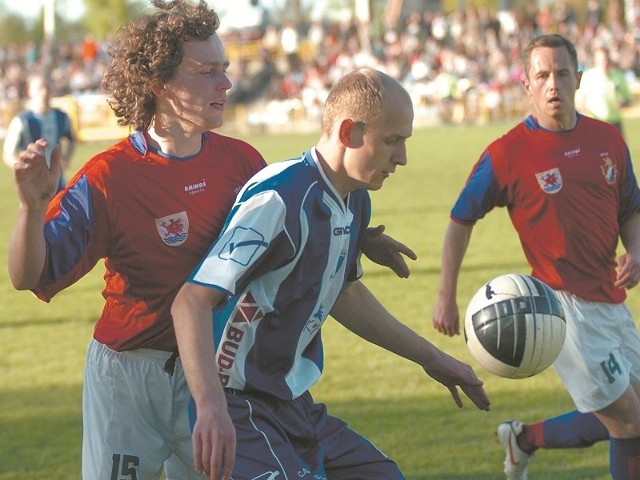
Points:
x=299, y=439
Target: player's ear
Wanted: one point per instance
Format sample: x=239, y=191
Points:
x=579, y=77
x=350, y=133
x=526, y=84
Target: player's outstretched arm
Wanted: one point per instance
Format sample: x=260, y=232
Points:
x=36, y=184
x=453, y=373
x=214, y=436
x=359, y=311
x=446, y=317
x=387, y=251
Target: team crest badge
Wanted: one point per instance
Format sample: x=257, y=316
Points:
x=174, y=228
x=550, y=181
x=608, y=170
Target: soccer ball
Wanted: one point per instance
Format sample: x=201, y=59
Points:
x=514, y=326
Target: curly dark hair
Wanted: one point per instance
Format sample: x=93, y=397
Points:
x=147, y=51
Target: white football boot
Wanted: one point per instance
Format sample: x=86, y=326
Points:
x=515, y=460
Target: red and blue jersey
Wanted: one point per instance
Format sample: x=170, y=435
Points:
x=567, y=194
x=289, y=246
x=152, y=218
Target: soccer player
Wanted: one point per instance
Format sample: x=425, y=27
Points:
x=286, y=259
x=604, y=91
x=568, y=184
x=150, y=205
x=40, y=120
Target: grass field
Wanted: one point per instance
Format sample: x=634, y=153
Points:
x=388, y=399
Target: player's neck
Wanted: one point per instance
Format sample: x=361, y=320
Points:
x=39, y=108
x=177, y=144
x=332, y=169
x=558, y=124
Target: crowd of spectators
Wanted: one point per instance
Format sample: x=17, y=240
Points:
x=459, y=67
x=75, y=68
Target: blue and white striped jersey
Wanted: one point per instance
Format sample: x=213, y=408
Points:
x=289, y=245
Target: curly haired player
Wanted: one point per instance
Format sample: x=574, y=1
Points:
x=150, y=205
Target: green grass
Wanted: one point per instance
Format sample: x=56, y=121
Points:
x=388, y=399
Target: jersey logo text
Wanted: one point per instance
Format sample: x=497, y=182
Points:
x=247, y=310
x=341, y=231
x=197, y=187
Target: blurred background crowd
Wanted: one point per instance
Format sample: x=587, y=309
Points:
x=460, y=66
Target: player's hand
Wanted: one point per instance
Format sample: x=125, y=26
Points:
x=386, y=251
x=214, y=443
x=446, y=317
x=628, y=272
x=452, y=374
x=36, y=181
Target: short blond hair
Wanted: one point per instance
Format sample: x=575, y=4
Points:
x=358, y=95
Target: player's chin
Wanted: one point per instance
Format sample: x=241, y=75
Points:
x=215, y=119
x=377, y=183
x=216, y=123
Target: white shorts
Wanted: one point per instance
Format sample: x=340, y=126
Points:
x=601, y=352
x=134, y=417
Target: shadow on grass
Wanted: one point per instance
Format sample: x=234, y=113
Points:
x=41, y=433
x=540, y=474
x=432, y=439
x=493, y=266
x=429, y=437
x=35, y=322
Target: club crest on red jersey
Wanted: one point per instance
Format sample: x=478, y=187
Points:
x=174, y=228
x=550, y=180
x=608, y=170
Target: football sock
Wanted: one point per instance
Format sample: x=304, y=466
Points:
x=570, y=430
x=624, y=458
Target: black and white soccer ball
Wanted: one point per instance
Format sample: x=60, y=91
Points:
x=514, y=326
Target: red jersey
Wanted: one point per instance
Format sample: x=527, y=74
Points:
x=567, y=194
x=152, y=218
